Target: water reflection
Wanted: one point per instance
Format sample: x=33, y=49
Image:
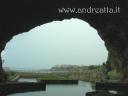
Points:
x=61, y=90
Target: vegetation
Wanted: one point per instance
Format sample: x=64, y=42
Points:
x=91, y=73
x=55, y=76
x=114, y=75
x=3, y=75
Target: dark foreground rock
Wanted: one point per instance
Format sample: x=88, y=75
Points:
x=105, y=93
x=96, y=93
x=104, y=88
x=11, y=88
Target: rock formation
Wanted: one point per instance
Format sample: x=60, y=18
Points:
x=17, y=16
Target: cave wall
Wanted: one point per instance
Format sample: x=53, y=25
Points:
x=116, y=38
x=19, y=16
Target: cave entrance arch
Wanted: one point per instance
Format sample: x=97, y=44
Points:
x=86, y=39
x=21, y=16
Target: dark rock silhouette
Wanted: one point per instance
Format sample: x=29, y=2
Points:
x=2, y=94
x=20, y=87
x=17, y=16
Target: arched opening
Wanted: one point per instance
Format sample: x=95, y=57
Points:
x=20, y=16
x=60, y=44
x=71, y=40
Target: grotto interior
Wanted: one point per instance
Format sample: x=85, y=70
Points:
x=18, y=16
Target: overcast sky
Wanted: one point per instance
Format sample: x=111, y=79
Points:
x=59, y=42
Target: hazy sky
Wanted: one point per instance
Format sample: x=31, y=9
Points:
x=60, y=42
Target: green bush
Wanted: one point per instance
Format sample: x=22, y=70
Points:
x=114, y=75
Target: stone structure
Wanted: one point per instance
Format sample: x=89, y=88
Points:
x=20, y=87
x=17, y=16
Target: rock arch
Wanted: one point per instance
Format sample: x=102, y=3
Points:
x=19, y=16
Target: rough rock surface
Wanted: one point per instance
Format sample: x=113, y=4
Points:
x=95, y=93
x=17, y=16
x=103, y=93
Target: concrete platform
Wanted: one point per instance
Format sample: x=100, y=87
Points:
x=19, y=87
x=59, y=81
